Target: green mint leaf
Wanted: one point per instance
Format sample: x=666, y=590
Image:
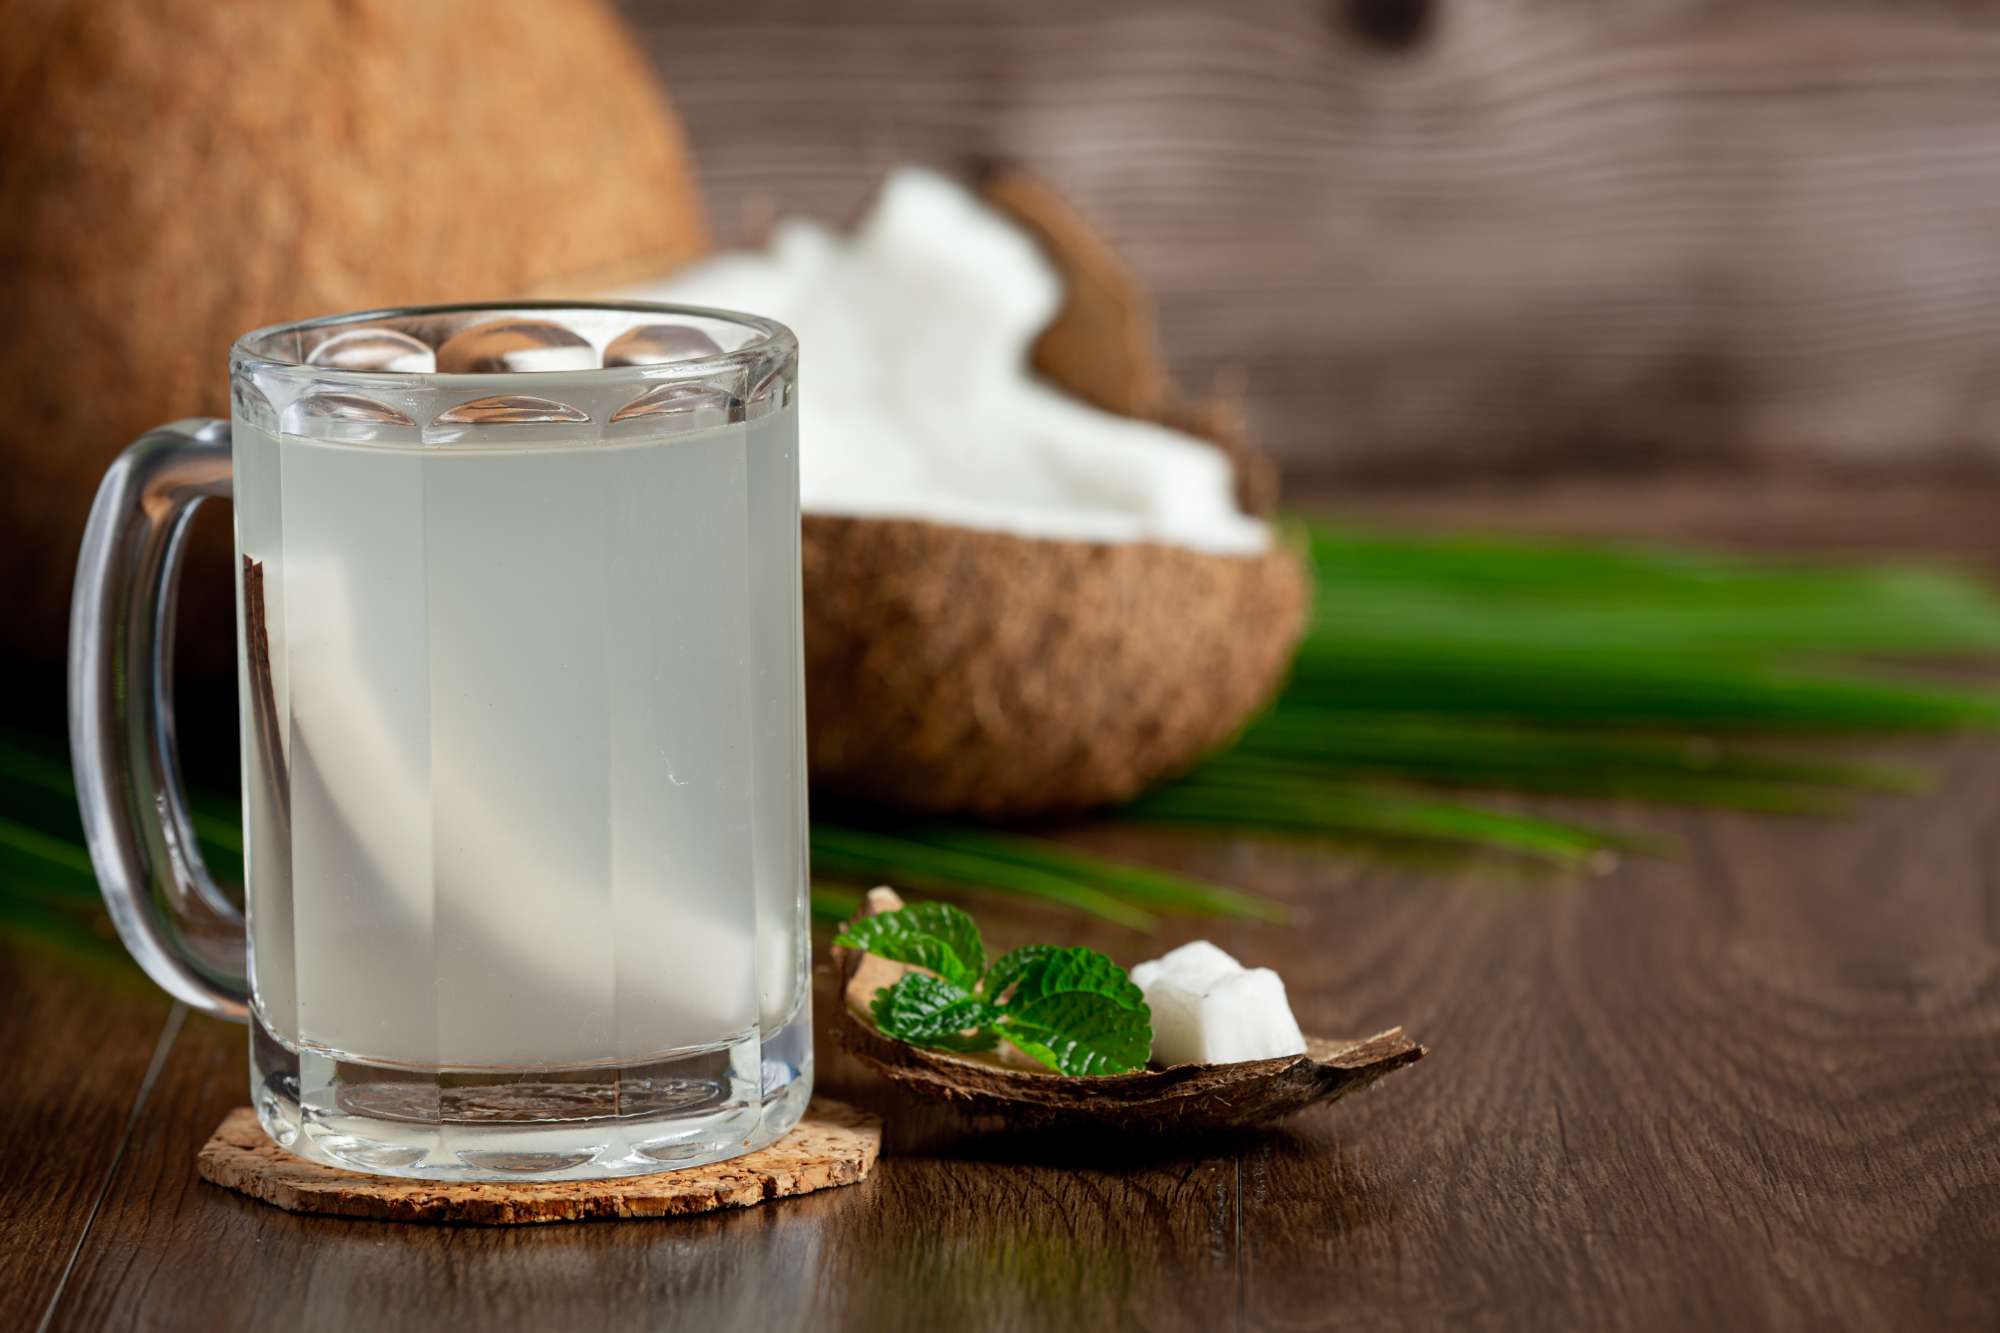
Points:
x=1081, y=1033
x=1009, y=966
x=1046, y=970
x=1028, y=1046
x=936, y=936
x=928, y=1011
x=1072, y=1009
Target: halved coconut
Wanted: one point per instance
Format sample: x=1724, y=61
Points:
x=179, y=172
x=951, y=669
x=1016, y=603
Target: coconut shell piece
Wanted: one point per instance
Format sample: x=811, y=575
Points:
x=1183, y=1099
x=178, y=172
x=953, y=670
x=1103, y=345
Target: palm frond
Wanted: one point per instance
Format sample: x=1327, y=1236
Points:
x=1574, y=669
x=1468, y=664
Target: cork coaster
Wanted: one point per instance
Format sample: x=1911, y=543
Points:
x=833, y=1144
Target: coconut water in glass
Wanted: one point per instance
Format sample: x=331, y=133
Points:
x=523, y=736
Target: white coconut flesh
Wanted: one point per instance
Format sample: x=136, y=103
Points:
x=919, y=400
x=1209, y=1009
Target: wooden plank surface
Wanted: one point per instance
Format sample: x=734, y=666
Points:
x=78, y=1034
x=1752, y=1085
x=1421, y=232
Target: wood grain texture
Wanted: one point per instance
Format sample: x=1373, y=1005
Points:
x=1417, y=233
x=929, y=1236
x=1750, y=1086
x=76, y=1036
x=832, y=1145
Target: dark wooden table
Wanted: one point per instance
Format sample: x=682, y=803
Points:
x=1753, y=1085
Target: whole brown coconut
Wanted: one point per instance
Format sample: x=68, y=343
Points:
x=961, y=671
x=177, y=172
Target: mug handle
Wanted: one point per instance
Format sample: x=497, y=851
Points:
x=181, y=928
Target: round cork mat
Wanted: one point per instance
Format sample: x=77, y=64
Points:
x=833, y=1144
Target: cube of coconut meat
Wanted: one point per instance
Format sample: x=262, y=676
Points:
x=1210, y=1009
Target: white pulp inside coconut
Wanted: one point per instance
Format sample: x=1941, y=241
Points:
x=915, y=335
x=1208, y=1009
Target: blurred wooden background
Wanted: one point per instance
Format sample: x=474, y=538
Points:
x=1423, y=233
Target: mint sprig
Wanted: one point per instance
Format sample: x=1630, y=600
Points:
x=933, y=1012
x=934, y=936
x=1071, y=1009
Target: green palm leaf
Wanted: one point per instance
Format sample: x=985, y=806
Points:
x=1433, y=669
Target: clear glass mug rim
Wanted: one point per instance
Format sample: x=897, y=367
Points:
x=770, y=341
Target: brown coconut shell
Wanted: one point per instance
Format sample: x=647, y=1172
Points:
x=1103, y=345
x=1181, y=1099
x=178, y=172
x=995, y=675
x=957, y=671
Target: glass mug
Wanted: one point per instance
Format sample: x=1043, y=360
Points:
x=522, y=709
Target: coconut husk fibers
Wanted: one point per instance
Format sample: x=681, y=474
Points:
x=1183, y=1099
x=957, y=671
x=177, y=172
x=996, y=675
